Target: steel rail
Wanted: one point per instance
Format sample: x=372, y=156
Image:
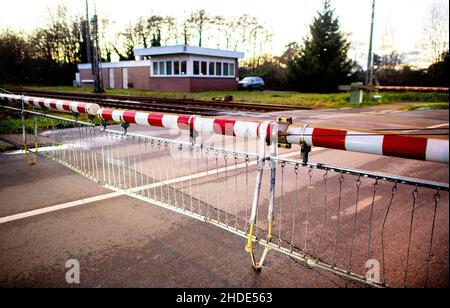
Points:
x=369, y=174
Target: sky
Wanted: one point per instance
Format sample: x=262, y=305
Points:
x=288, y=20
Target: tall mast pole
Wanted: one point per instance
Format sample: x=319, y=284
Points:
x=88, y=36
x=369, y=72
x=98, y=82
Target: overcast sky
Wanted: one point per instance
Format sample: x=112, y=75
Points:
x=287, y=19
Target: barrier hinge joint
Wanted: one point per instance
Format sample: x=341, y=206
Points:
x=283, y=124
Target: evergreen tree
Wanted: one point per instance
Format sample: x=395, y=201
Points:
x=322, y=63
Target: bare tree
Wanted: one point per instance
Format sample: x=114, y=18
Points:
x=106, y=44
x=246, y=23
x=60, y=40
x=129, y=41
x=170, y=30
x=199, y=21
x=435, y=30
x=219, y=29
x=142, y=32
x=226, y=29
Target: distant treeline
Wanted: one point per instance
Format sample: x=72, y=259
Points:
x=319, y=63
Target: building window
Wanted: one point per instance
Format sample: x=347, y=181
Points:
x=196, y=68
x=162, y=68
x=155, y=68
x=199, y=68
x=204, y=67
x=225, y=69
x=169, y=68
x=218, y=69
x=232, y=71
x=183, y=68
x=212, y=65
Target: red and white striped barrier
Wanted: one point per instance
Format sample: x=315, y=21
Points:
x=390, y=145
x=201, y=125
x=53, y=104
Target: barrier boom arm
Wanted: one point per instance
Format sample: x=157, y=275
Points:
x=410, y=147
x=427, y=149
x=53, y=104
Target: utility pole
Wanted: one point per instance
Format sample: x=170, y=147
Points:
x=98, y=82
x=369, y=72
x=88, y=36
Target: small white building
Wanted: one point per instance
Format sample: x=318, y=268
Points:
x=179, y=68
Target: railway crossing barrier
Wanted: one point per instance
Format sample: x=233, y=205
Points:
x=338, y=219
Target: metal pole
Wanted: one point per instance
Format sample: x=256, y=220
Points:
x=369, y=72
x=88, y=38
x=97, y=56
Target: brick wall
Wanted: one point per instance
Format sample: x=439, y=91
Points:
x=212, y=84
x=139, y=77
x=118, y=78
x=86, y=75
x=161, y=84
x=105, y=77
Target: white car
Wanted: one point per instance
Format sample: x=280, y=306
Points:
x=250, y=83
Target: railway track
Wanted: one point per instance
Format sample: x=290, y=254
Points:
x=166, y=105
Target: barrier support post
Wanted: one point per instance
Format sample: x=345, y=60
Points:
x=261, y=162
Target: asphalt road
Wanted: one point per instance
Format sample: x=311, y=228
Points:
x=124, y=242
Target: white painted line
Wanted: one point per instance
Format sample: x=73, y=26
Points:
x=58, y=207
x=50, y=148
x=133, y=190
x=429, y=127
x=334, y=116
x=351, y=210
x=438, y=126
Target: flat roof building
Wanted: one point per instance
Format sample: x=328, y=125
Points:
x=179, y=68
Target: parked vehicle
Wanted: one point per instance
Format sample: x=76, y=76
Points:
x=251, y=83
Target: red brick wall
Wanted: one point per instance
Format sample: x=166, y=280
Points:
x=86, y=75
x=161, y=84
x=118, y=78
x=139, y=77
x=212, y=84
x=187, y=84
x=105, y=78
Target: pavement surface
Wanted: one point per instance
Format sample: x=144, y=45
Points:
x=121, y=241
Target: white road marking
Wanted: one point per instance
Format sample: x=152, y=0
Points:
x=351, y=210
x=438, y=126
x=58, y=207
x=334, y=116
x=40, y=149
x=68, y=146
x=429, y=127
x=136, y=189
